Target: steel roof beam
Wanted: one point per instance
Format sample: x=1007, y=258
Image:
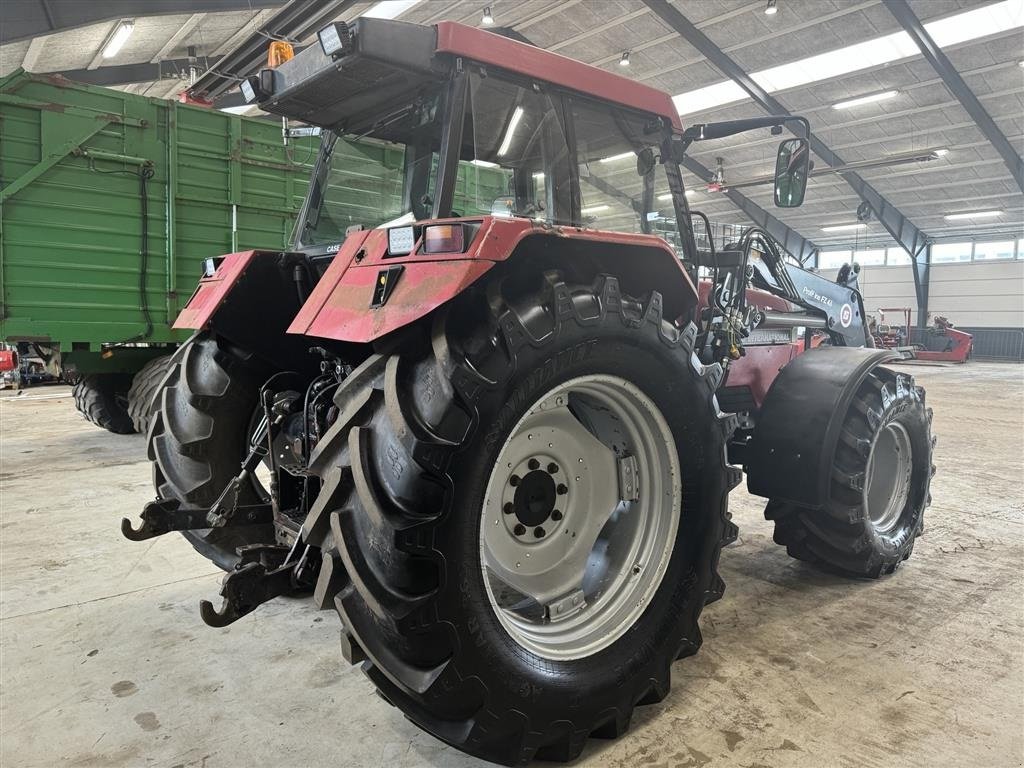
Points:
x=26, y=19
x=956, y=85
x=125, y=74
x=896, y=224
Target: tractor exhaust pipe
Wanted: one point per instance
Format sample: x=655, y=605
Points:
x=790, y=320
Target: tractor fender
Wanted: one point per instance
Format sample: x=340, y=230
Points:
x=794, y=442
x=366, y=293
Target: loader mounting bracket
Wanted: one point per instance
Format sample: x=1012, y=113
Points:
x=262, y=573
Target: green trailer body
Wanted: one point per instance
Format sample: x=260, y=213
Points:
x=72, y=246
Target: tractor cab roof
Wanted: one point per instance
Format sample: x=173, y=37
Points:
x=380, y=61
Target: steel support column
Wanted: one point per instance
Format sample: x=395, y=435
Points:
x=921, y=267
x=956, y=85
x=896, y=224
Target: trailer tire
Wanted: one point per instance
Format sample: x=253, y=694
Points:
x=405, y=470
x=102, y=398
x=141, y=396
x=199, y=437
x=879, y=489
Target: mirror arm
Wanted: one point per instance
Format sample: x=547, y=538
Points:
x=706, y=131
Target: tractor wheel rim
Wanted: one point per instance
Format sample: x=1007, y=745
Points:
x=887, y=478
x=580, y=517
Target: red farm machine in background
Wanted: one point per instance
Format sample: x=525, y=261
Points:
x=940, y=342
x=500, y=412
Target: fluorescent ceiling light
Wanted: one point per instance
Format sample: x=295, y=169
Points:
x=959, y=28
x=668, y=195
x=772, y=8
x=613, y=158
x=390, y=9
x=594, y=209
x=483, y=163
x=843, y=227
x=869, y=99
x=941, y=152
x=118, y=38
x=972, y=215
x=517, y=115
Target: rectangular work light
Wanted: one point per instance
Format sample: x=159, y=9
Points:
x=401, y=240
x=335, y=39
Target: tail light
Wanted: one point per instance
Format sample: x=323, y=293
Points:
x=444, y=238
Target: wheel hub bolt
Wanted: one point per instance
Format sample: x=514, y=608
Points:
x=556, y=515
x=514, y=480
x=519, y=530
x=562, y=489
x=539, y=532
x=552, y=468
x=509, y=508
x=533, y=464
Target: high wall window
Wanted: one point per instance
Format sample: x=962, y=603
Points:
x=1002, y=249
x=833, y=259
x=870, y=258
x=896, y=257
x=945, y=253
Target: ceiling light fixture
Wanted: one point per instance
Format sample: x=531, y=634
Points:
x=941, y=152
x=972, y=215
x=488, y=19
x=624, y=61
x=869, y=99
x=613, y=158
x=843, y=227
x=517, y=115
x=986, y=21
x=594, y=209
x=668, y=195
x=118, y=38
x=772, y=8
x=483, y=163
x=390, y=9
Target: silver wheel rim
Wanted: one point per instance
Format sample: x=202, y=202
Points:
x=580, y=517
x=887, y=478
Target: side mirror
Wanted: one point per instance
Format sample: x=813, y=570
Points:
x=791, y=168
x=644, y=161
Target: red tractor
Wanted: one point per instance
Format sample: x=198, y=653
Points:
x=940, y=342
x=490, y=418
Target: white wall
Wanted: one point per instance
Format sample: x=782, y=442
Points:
x=974, y=294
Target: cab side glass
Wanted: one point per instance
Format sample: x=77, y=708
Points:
x=791, y=167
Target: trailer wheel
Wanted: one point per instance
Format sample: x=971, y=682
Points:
x=508, y=585
x=199, y=436
x=879, y=487
x=102, y=398
x=141, y=396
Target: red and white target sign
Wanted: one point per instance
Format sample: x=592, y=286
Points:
x=846, y=315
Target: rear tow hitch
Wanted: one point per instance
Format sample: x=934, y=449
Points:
x=262, y=573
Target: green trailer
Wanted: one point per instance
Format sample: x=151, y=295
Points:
x=109, y=203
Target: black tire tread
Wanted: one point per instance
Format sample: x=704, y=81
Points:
x=142, y=394
x=840, y=538
x=98, y=397
x=417, y=410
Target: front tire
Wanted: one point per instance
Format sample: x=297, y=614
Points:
x=405, y=473
x=879, y=487
x=200, y=435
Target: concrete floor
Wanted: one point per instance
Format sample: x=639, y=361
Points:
x=105, y=661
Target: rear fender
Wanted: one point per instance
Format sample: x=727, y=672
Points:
x=794, y=443
x=344, y=307
x=249, y=301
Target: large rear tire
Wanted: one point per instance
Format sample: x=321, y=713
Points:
x=879, y=487
x=200, y=435
x=142, y=395
x=404, y=505
x=102, y=398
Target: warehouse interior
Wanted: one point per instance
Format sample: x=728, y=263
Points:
x=132, y=160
